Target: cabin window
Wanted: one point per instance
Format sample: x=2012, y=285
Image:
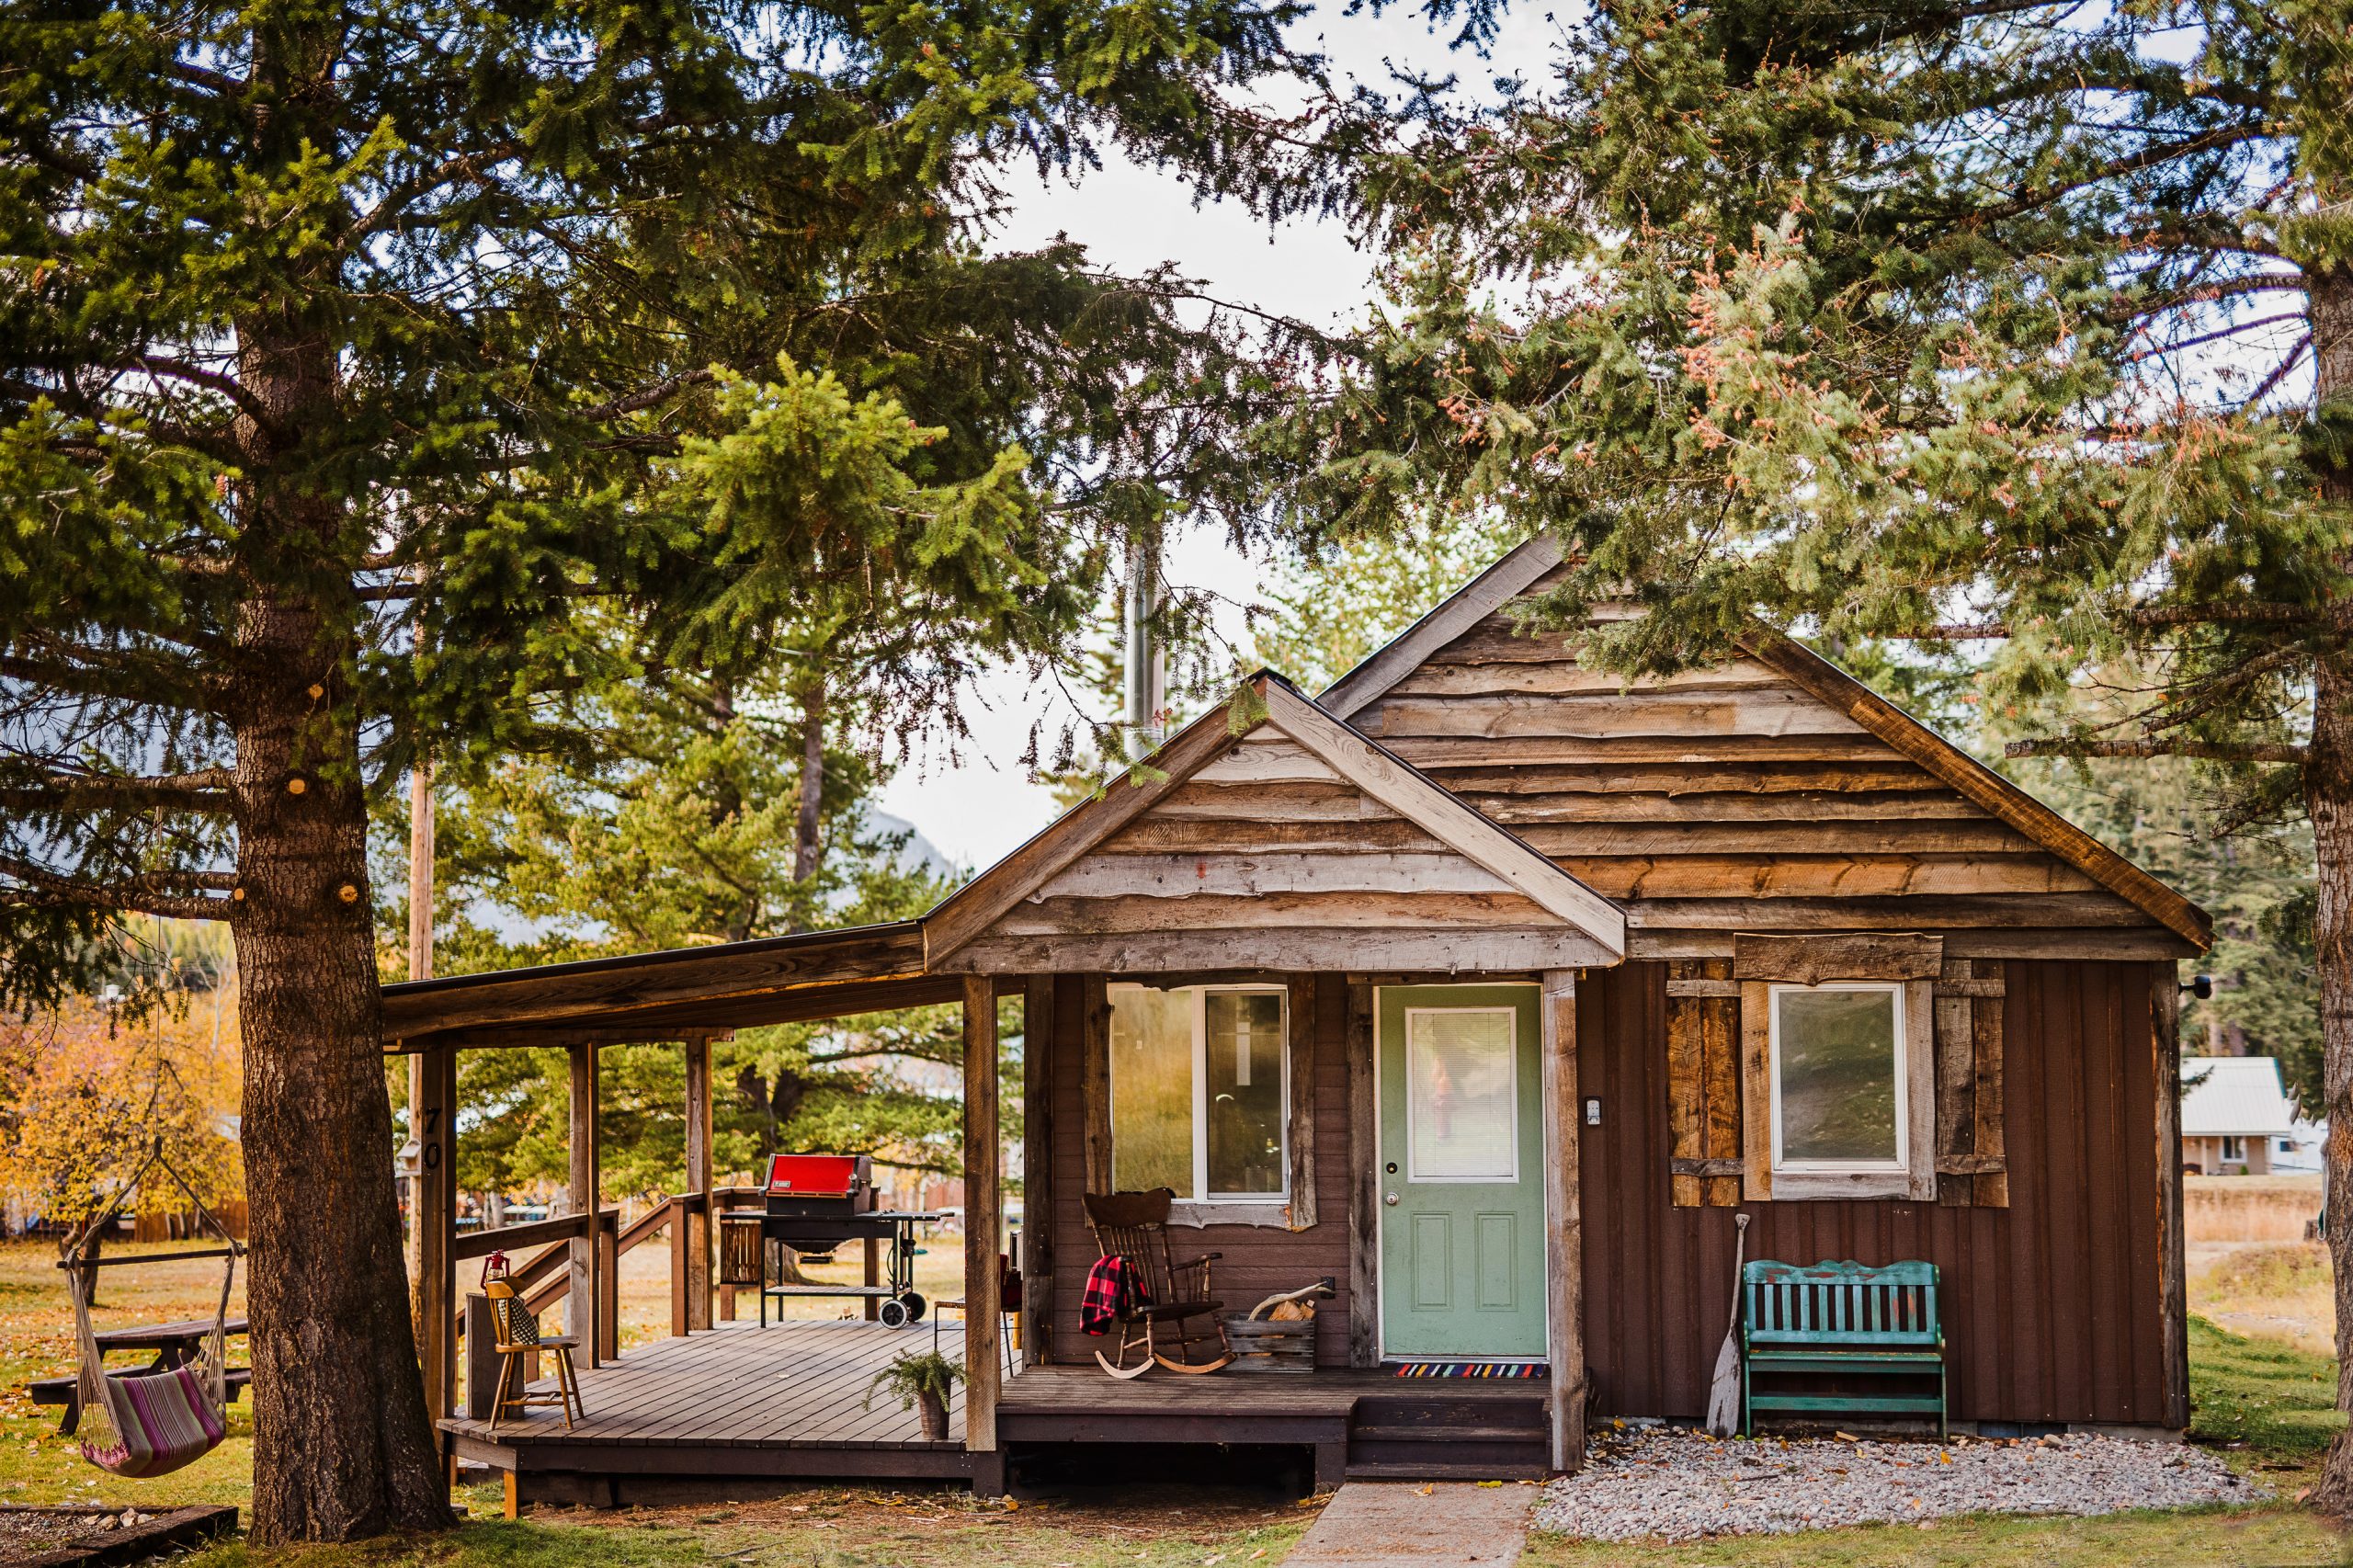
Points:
x=2234, y=1148
x=1838, y=1078
x=1200, y=1091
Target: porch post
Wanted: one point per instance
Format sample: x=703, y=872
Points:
x=1037, y=1307
x=698, y=1219
x=981, y=1214
x=581, y=1295
x=1565, y=1242
x=1364, y=1183
x=2165, y=1041
x=434, y=1120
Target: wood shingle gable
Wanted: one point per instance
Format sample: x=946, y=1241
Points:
x=1298, y=845
x=1773, y=792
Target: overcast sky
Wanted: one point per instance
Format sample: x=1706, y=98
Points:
x=982, y=805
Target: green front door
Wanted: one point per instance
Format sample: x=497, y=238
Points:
x=1462, y=1199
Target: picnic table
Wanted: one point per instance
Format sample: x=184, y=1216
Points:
x=175, y=1345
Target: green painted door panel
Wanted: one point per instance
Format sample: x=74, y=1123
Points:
x=1462, y=1247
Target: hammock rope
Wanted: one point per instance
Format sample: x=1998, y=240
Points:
x=143, y=1424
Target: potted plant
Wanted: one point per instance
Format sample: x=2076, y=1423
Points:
x=921, y=1380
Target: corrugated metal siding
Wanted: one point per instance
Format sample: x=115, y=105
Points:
x=2052, y=1305
x=1258, y=1260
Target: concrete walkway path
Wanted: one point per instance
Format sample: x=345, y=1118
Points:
x=1436, y=1524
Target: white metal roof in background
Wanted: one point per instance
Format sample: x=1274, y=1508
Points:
x=2238, y=1097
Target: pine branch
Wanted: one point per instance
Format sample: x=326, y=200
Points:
x=2243, y=613
x=210, y=380
x=2208, y=751
x=2233, y=330
x=57, y=792
x=147, y=893
x=637, y=401
x=2214, y=141
x=2223, y=689
x=181, y=687
x=2208, y=293
x=2279, y=372
x=402, y=194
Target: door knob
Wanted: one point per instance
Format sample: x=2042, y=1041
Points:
x=1391, y=1200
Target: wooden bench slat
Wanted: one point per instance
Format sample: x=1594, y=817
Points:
x=1841, y=1317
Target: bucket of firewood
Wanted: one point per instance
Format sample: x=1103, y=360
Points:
x=1277, y=1336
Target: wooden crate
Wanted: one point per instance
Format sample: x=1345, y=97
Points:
x=1262, y=1345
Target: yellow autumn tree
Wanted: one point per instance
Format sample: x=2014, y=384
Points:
x=85, y=1093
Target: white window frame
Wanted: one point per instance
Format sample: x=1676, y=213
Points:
x=2233, y=1147
x=1511, y=1064
x=1200, y=1193
x=1901, y=1164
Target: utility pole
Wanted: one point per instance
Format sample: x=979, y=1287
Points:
x=420, y=967
x=1147, y=666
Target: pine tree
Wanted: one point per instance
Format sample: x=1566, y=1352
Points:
x=692, y=829
x=379, y=380
x=2010, y=321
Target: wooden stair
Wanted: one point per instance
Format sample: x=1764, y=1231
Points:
x=1430, y=1435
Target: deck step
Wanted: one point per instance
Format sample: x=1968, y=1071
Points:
x=1362, y=1432
x=1437, y=1413
x=1434, y=1471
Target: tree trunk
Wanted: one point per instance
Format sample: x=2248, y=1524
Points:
x=2328, y=797
x=806, y=845
x=341, y=1447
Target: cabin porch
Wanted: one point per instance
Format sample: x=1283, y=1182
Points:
x=739, y=1406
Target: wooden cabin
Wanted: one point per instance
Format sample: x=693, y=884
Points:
x=1491, y=990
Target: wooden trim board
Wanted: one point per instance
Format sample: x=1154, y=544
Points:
x=966, y=920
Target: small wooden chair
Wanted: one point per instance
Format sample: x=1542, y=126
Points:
x=1008, y=1297
x=519, y=1336
x=1135, y=1226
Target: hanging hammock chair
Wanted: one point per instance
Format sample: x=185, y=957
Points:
x=149, y=1423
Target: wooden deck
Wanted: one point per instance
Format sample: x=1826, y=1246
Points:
x=740, y=1399
x=741, y=1404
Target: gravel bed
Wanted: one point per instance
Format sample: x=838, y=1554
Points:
x=1681, y=1486
x=29, y=1532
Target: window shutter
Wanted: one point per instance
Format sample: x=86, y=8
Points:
x=1971, y=1155
x=1301, y=1009
x=1703, y=1082
x=1719, y=1096
x=1757, y=1089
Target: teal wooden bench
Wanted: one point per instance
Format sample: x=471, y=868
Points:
x=1840, y=1318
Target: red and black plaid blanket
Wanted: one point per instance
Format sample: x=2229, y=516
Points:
x=1115, y=1289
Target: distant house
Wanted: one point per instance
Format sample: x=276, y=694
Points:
x=2299, y=1154
x=2236, y=1117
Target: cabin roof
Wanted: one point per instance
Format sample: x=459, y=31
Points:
x=775, y=980
x=1383, y=776
x=1523, y=568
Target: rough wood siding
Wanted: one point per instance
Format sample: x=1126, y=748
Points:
x=1258, y=1260
x=1268, y=858
x=2053, y=1305
x=1723, y=800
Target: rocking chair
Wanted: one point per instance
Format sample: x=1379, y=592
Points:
x=1134, y=1225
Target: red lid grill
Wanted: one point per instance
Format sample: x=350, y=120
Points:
x=818, y=1176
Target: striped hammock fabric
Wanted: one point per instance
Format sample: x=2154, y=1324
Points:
x=156, y=1422
x=141, y=1423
